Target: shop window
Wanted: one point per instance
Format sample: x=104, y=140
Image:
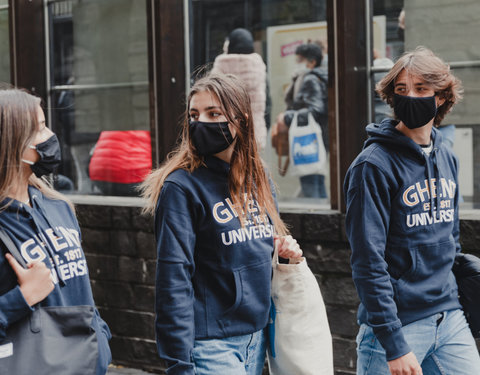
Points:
x=98, y=99
x=450, y=30
x=278, y=28
x=4, y=43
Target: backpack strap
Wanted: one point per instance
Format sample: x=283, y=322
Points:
x=12, y=248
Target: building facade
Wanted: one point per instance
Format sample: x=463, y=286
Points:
x=126, y=65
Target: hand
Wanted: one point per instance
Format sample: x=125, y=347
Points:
x=281, y=126
x=288, y=248
x=35, y=282
x=405, y=365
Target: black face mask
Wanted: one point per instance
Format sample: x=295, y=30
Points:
x=414, y=112
x=210, y=138
x=50, y=157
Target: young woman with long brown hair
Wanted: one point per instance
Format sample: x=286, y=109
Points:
x=215, y=222
x=41, y=224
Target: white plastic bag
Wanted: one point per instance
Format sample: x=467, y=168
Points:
x=300, y=339
x=307, y=150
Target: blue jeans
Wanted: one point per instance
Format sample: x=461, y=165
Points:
x=238, y=355
x=442, y=343
x=313, y=186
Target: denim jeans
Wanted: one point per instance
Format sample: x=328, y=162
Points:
x=313, y=186
x=442, y=343
x=238, y=355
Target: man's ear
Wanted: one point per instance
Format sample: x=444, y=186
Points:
x=440, y=101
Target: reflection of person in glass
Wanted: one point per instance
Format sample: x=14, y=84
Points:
x=215, y=221
x=41, y=223
x=308, y=94
x=241, y=61
x=403, y=227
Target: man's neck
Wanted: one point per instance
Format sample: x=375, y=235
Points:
x=420, y=135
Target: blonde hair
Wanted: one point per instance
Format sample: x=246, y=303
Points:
x=18, y=126
x=247, y=173
x=423, y=63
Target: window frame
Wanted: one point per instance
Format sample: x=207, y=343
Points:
x=348, y=74
x=166, y=77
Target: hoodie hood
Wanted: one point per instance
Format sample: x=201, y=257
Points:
x=386, y=134
x=321, y=73
x=44, y=215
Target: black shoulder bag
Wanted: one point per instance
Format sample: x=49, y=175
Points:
x=467, y=272
x=50, y=340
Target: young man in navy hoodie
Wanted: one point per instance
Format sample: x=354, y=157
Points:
x=403, y=227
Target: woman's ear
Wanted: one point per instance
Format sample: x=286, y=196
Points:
x=246, y=118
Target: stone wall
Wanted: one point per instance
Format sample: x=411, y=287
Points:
x=119, y=245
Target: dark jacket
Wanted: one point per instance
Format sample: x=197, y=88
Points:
x=213, y=275
x=403, y=239
x=311, y=96
x=48, y=232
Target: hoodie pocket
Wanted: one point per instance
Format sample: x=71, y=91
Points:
x=252, y=299
x=430, y=278
x=238, y=293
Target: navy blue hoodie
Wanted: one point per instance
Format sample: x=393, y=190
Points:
x=403, y=238
x=213, y=276
x=49, y=232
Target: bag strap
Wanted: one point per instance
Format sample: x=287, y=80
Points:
x=12, y=248
x=282, y=169
x=275, y=260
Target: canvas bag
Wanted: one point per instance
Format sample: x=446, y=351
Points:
x=299, y=334
x=307, y=150
x=51, y=340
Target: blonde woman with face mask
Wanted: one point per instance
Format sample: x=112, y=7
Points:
x=41, y=224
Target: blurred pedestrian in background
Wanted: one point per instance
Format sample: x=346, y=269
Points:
x=240, y=60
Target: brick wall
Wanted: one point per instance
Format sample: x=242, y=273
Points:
x=119, y=245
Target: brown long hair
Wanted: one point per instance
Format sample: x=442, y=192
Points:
x=247, y=173
x=18, y=126
x=423, y=63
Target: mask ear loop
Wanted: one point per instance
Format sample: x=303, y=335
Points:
x=28, y=161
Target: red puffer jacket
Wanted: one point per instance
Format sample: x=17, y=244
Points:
x=122, y=157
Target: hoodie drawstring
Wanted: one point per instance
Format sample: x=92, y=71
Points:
x=437, y=179
x=429, y=179
x=434, y=208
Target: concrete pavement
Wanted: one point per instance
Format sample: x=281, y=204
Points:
x=114, y=370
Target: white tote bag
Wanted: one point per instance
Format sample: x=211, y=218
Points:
x=307, y=150
x=300, y=339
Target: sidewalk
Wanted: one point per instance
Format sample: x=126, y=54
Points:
x=125, y=371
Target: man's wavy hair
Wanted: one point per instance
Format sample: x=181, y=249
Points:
x=423, y=63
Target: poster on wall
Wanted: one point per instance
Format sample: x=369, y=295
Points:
x=282, y=42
